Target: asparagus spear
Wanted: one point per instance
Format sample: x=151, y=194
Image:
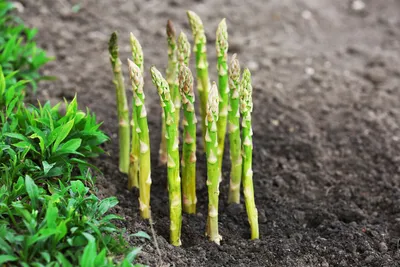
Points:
x=200, y=50
x=172, y=79
x=189, y=141
x=246, y=108
x=174, y=180
x=234, y=132
x=122, y=104
x=144, y=141
x=137, y=56
x=222, y=66
x=213, y=171
x=183, y=50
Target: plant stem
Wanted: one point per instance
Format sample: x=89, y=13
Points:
x=144, y=141
x=246, y=108
x=189, y=141
x=174, y=180
x=222, y=66
x=234, y=132
x=200, y=50
x=133, y=175
x=213, y=172
x=122, y=104
x=172, y=79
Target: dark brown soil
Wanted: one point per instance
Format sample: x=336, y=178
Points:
x=326, y=123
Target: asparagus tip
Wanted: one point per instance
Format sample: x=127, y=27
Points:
x=195, y=22
x=234, y=68
x=135, y=75
x=113, y=45
x=222, y=38
x=170, y=29
x=213, y=102
x=185, y=81
x=183, y=48
x=246, y=89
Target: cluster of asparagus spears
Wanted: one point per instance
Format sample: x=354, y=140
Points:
x=219, y=110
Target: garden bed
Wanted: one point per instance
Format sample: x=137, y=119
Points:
x=326, y=123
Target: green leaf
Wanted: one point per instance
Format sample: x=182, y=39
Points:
x=32, y=190
x=47, y=167
x=107, y=204
x=62, y=132
x=2, y=82
x=7, y=258
x=130, y=257
x=51, y=215
x=62, y=260
x=142, y=234
x=62, y=230
x=69, y=147
x=89, y=253
x=79, y=187
x=101, y=258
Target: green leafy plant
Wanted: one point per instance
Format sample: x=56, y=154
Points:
x=49, y=214
x=18, y=50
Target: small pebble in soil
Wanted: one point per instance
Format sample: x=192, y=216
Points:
x=262, y=218
x=376, y=75
x=306, y=14
x=358, y=5
x=310, y=71
x=383, y=247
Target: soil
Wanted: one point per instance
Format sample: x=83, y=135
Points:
x=326, y=123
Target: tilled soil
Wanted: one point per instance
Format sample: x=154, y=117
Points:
x=326, y=123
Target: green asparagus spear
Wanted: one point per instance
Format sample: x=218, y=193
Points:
x=222, y=66
x=144, y=141
x=234, y=131
x=122, y=104
x=172, y=72
x=189, y=141
x=174, y=180
x=200, y=50
x=137, y=52
x=213, y=171
x=246, y=108
x=137, y=56
x=183, y=50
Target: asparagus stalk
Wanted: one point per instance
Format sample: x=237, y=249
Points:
x=189, y=141
x=122, y=104
x=213, y=171
x=246, y=108
x=234, y=132
x=183, y=50
x=174, y=180
x=200, y=50
x=137, y=56
x=222, y=66
x=144, y=141
x=172, y=79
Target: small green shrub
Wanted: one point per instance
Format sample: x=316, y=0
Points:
x=18, y=50
x=49, y=214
